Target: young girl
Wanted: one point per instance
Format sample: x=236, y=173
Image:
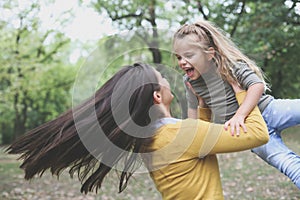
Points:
x=211, y=62
x=128, y=117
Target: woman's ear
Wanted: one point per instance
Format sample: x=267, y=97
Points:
x=156, y=97
x=211, y=53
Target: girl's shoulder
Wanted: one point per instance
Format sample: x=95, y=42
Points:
x=240, y=65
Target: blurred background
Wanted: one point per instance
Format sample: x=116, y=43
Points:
x=44, y=44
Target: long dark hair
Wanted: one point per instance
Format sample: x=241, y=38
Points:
x=119, y=110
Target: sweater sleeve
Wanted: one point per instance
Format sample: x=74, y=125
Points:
x=211, y=138
x=204, y=114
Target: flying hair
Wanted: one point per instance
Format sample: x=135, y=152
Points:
x=57, y=145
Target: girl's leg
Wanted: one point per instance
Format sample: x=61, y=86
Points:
x=279, y=115
x=282, y=113
x=278, y=155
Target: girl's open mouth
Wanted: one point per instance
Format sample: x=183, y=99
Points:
x=190, y=72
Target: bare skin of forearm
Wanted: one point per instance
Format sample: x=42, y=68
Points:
x=192, y=113
x=254, y=93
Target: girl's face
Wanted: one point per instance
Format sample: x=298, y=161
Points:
x=191, y=58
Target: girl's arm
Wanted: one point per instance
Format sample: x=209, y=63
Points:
x=194, y=101
x=254, y=93
x=192, y=113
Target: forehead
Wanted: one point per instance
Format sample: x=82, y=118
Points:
x=186, y=43
x=157, y=74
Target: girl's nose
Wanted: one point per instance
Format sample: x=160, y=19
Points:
x=182, y=62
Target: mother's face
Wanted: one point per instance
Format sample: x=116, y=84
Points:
x=165, y=90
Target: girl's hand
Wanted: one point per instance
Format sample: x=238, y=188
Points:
x=235, y=123
x=237, y=120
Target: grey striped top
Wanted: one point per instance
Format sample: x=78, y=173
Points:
x=218, y=94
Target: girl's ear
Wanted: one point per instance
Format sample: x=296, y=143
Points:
x=156, y=97
x=211, y=53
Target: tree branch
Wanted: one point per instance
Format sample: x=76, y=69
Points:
x=200, y=9
x=54, y=51
x=115, y=18
x=238, y=18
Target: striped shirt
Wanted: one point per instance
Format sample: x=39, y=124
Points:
x=218, y=93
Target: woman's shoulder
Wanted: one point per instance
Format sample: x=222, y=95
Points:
x=183, y=123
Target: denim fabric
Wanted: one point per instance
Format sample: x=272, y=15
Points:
x=279, y=115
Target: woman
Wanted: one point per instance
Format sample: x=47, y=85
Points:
x=133, y=111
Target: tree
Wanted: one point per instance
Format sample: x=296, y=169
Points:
x=266, y=30
x=274, y=27
x=28, y=56
x=143, y=17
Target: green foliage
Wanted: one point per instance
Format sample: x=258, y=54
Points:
x=274, y=28
x=267, y=31
x=49, y=95
x=34, y=81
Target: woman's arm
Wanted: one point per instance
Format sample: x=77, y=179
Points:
x=204, y=114
x=257, y=133
x=212, y=138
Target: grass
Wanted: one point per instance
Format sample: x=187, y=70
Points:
x=244, y=177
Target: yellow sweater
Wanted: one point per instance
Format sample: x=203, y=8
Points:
x=176, y=160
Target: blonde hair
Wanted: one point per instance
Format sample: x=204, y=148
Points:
x=226, y=52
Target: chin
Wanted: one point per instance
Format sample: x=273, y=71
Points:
x=195, y=76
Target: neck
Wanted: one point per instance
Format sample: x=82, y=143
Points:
x=166, y=111
x=160, y=111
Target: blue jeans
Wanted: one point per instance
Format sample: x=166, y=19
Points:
x=279, y=115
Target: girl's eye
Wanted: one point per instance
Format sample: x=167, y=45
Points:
x=189, y=56
x=178, y=57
